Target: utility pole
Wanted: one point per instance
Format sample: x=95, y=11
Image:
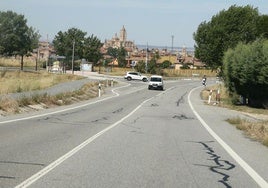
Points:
x=172, y=38
x=146, y=60
x=38, y=56
x=171, y=51
x=73, y=57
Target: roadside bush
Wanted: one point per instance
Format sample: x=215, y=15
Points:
x=246, y=72
x=166, y=64
x=140, y=67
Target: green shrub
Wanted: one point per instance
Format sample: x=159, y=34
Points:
x=246, y=71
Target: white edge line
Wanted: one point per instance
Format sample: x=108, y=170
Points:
x=252, y=173
x=60, y=160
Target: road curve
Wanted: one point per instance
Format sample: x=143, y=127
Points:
x=139, y=138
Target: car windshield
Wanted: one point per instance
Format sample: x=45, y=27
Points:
x=154, y=79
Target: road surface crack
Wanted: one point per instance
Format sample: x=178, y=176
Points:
x=181, y=100
x=221, y=167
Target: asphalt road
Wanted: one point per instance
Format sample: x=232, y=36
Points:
x=133, y=137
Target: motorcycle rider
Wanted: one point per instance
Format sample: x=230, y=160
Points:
x=204, y=80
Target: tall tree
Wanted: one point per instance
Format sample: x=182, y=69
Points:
x=246, y=72
x=122, y=57
x=16, y=38
x=74, y=42
x=112, y=52
x=65, y=43
x=119, y=54
x=225, y=30
x=92, y=51
x=263, y=26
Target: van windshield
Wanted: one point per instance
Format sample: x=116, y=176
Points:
x=154, y=79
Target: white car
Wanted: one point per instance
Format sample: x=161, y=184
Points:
x=135, y=76
x=156, y=82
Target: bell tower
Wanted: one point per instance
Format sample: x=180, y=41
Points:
x=123, y=34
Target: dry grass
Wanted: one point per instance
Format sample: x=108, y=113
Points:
x=19, y=81
x=189, y=73
x=15, y=62
x=225, y=100
x=10, y=106
x=223, y=93
x=257, y=130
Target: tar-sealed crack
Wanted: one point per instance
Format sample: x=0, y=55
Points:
x=220, y=167
x=21, y=163
x=118, y=110
x=7, y=177
x=56, y=120
x=52, y=118
x=181, y=100
x=181, y=117
x=98, y=120
x=154, y=105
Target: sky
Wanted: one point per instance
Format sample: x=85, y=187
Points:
x=151, y=22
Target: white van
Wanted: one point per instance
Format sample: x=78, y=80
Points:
x=156, y=82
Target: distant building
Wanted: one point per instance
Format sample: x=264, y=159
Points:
x=43, y=52
x=184, y=58
x=121, y=41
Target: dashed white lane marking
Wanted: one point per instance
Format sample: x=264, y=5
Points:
x=57, y=162
x=252, y=173
x=54, y=164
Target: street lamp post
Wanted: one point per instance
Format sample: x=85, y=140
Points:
x=73, y=57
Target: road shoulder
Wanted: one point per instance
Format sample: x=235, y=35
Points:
x=252, y=152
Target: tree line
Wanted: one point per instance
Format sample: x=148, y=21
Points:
x=234, y=42
x=19, y=39
x=74, y=43
x=16, y=37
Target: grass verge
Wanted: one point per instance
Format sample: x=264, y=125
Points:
x=10, y=106
x=257, y=130
x=254, y=129
x=20, y=81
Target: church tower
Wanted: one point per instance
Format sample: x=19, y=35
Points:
x=123, y=34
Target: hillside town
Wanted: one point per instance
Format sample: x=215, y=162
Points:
x=177, y=56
